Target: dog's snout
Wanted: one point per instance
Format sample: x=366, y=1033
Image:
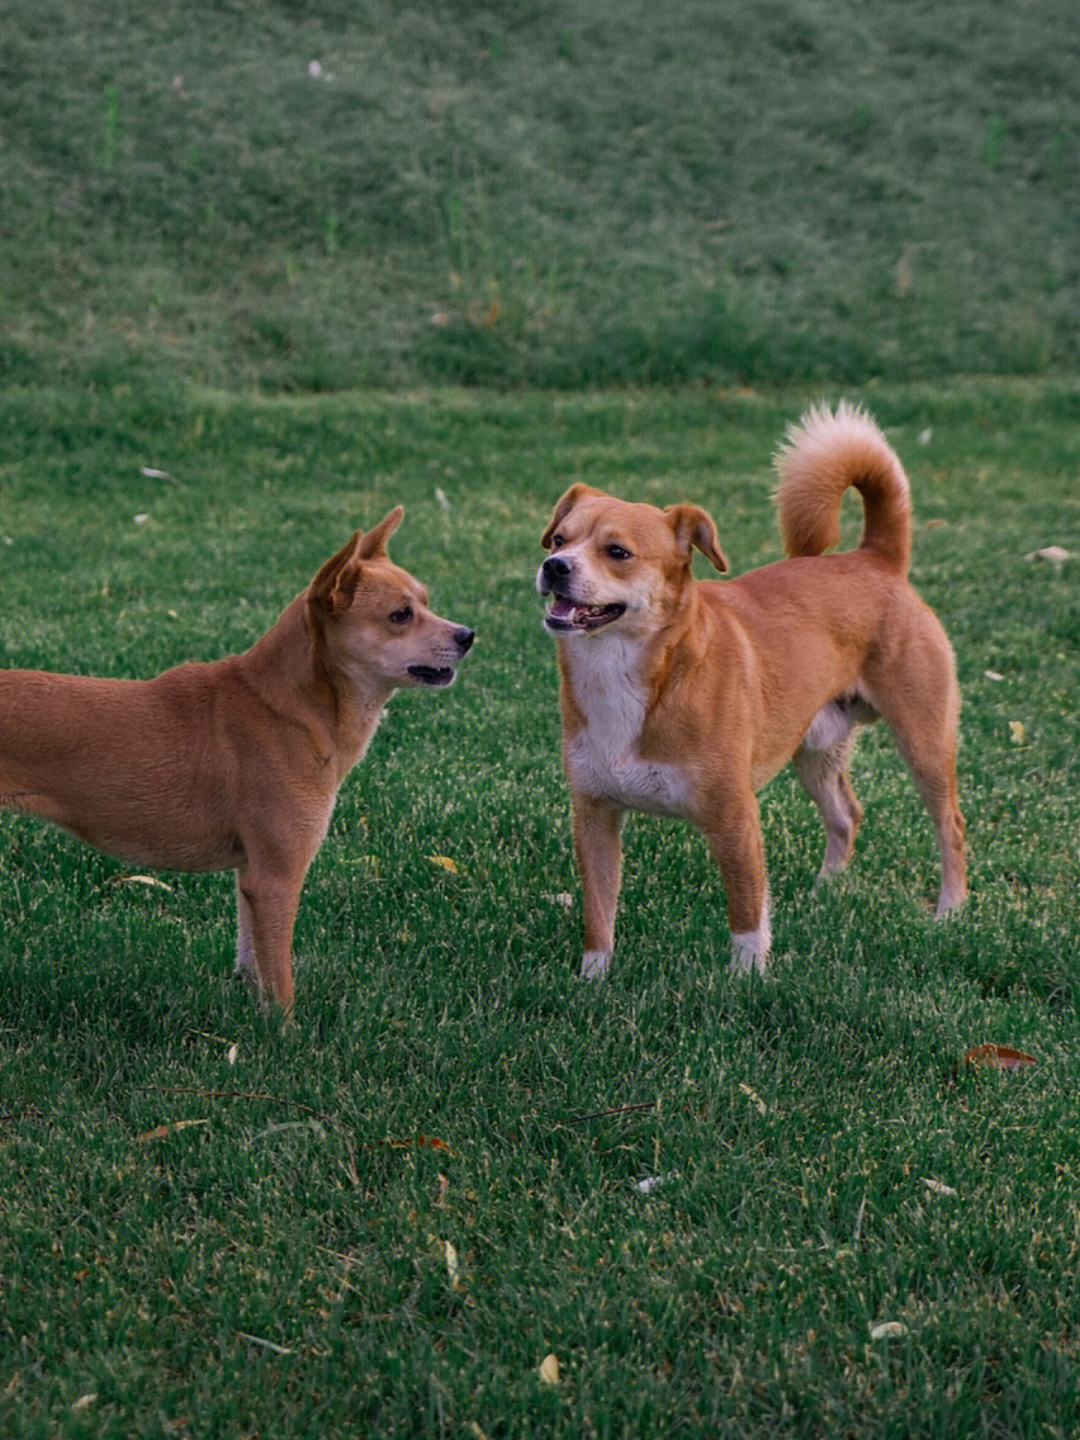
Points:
x=555, y=568
x=464, y=637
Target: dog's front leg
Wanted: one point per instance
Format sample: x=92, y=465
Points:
x=245, y=968
x=733, y=829
x=272, y=898
x=598, y=842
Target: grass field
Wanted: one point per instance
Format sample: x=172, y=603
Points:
x=582, y=194
x=795, y=1121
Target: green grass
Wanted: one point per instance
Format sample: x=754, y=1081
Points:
x=586, y=195
x=738, y=1298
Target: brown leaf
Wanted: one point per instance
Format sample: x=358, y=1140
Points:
x=999, y=1057
x=162, y=1132
x=549, y=1370
x=419, y=1142
x=444, y=862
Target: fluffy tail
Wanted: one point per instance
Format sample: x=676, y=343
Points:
x=822, y=456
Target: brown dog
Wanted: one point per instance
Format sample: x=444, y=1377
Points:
x=233, y=765
x=683, y=698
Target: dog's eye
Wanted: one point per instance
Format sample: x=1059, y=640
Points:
x=402, y=617
x=618, y=553
x=557, y=542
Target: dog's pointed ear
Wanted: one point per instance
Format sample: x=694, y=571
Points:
x=375, y=541
x=696, y=528
x=563, y=508
x=335, y=584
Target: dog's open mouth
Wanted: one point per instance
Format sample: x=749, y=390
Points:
x=566, y=614
x=432, y=674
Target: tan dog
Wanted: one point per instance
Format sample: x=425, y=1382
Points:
x=233, y=765
x=683, y=698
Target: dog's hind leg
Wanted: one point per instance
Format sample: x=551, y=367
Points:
x=922, y=709
x=824, y=774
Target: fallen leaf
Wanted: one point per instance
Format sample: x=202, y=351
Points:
x=564, y=898
x=444, y=1189
x=999, y=1057
x=440, y=319
x=652, y=1182
x=150, y=880
x=419, y=1142
x=453, y=1268
x=161, y=1132
x=491, y=314
x=441, y=500
x=477, y=1430
x=234, y=1051
x=925, y=436
x=152, y=474
x=938, y=1186
x=141, y=519
x=993, y=675
x=1055, y=554
x=265, y=1344
x=444, y=862
x=754, y=1097
x=84, y=1401
x=1017, y=732
x=888, y=1330
x=549, y=1370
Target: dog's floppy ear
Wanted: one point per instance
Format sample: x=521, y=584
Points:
x=335, y=584
x=696, y=527
x=375, y=541
x=563, y=508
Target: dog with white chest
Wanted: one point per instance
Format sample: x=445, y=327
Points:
x=684, y=698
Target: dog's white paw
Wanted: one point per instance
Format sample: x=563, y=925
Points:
x=594, y=964
x=747, y=959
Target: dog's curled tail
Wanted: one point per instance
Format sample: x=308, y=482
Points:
x=822, y=456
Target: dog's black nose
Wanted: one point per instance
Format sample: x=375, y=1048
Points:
x=464, y=637
x=555, y=568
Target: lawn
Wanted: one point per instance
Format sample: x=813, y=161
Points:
x=385, y=1218
x=325, y=195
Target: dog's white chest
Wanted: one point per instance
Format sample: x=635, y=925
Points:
x=603, y=757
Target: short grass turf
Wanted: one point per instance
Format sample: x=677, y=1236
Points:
x=396, y=1286
x=557, y=194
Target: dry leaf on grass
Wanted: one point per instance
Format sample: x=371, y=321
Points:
x=84, y=1401
x=418, y=1142
x=993, y=675
x=453, y=1265
x=937, y=1186
x=752, y=1095
x=999, y=1057
x=444, y=862
x=271, y=1345
x=162, y=1132
x=1053, y=554
x=1017, y=732
x=888, y=1330
x=549, y=1370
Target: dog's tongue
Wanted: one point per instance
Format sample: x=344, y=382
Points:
x=562, y=609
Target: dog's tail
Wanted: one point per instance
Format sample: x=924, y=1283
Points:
x=825, y=454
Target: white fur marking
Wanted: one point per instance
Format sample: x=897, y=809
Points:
x=830, y=725
x=595, y=964
x=750, y=948
x=602, y=757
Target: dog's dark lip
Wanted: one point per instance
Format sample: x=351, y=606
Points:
x=433, y=675
x=567, y=615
